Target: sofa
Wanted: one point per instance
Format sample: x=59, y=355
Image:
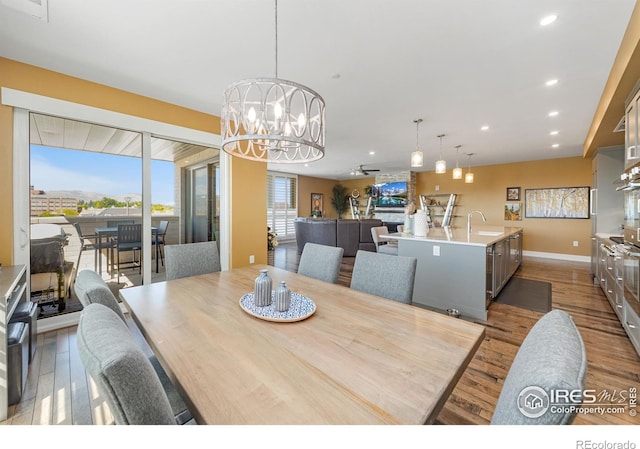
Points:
x=350, y=235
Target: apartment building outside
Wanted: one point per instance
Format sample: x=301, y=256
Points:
x=41, y=203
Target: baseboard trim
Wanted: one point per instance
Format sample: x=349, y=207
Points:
x=558, y=256
x=57, y=322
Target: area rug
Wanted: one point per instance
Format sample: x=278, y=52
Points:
x=526, y=293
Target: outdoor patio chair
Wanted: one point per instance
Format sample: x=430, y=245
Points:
x=128, y=239
x=87, y=242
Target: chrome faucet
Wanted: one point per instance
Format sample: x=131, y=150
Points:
x=469, y=219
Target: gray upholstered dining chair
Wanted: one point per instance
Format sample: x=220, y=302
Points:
x=552, y=356
x=90, y=288
x=383, y=275
x=321, y=262
x=384, y=246
x=191, y=259
x=123, y=374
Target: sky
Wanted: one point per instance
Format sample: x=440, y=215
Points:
x=61, y=169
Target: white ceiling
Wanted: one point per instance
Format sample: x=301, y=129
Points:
x=458, y=64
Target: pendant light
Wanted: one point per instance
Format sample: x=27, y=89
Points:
x=441, y=164
x=457, y=172
x=273, y=120
x=417, y=157
x=468, y=178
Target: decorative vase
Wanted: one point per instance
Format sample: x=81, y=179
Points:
x=262, y=290
x=407, y=224
x=283, y=298
x=421, y=224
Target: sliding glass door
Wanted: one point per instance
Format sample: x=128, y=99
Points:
x=202, y=201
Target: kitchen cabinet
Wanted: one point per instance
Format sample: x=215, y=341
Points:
x=631, y=324
x=606, y=206
x=500, y=266
x=611, y=277
x=632, y=130
x=507, y=257
x=456, y=268
x=13, y=288
x=515, y=252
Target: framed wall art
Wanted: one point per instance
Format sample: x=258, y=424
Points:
x=317, y=204
x=513, y=193
x=559, y=202
x=513, y=211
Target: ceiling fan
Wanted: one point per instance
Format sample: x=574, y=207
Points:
x=361, y=171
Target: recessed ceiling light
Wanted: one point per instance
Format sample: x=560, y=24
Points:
x=371, y=153
x=553, y=113
x=551, y=83
x=306, y=165
x=555, y=145
x=548, y=20
x=485, y=128
x=553, y=133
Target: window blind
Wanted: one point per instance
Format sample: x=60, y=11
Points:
x=282, y=204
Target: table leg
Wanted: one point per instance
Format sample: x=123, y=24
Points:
x=156, y=239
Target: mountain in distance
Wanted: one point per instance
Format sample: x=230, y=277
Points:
x=91, y=196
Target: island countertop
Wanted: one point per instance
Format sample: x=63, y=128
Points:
x=480, y=235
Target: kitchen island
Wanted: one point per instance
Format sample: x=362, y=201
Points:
x=461, y=270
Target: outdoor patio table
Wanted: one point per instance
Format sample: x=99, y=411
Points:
x=103, y=234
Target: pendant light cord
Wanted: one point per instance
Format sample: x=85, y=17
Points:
x=417, y=122
x=276, y=23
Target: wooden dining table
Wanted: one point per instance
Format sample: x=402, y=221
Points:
x=359, y=359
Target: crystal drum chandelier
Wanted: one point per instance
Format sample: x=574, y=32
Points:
x=273, y=120
x=441, y=164
x=457, y=172
x=417, y=158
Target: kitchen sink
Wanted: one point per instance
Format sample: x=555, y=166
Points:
x=491, y=233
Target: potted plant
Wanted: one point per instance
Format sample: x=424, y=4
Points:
x=340, y=199
x=272, y=239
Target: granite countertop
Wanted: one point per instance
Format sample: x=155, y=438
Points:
x=480, y=235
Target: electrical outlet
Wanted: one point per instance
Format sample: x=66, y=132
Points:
x=436, y=250
x=437, y=188
x=252, y=259
x=575, y=243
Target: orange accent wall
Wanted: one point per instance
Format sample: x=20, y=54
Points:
x=488, y=194
x=39, y=81
x=308, y=185
x=249, y=212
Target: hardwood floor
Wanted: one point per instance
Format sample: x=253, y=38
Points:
x=60, y=392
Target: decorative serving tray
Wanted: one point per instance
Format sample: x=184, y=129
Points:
x=301, y=308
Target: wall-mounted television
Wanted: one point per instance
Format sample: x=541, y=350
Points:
x=390, y=194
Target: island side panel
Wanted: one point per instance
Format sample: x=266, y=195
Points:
x=454, y=279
